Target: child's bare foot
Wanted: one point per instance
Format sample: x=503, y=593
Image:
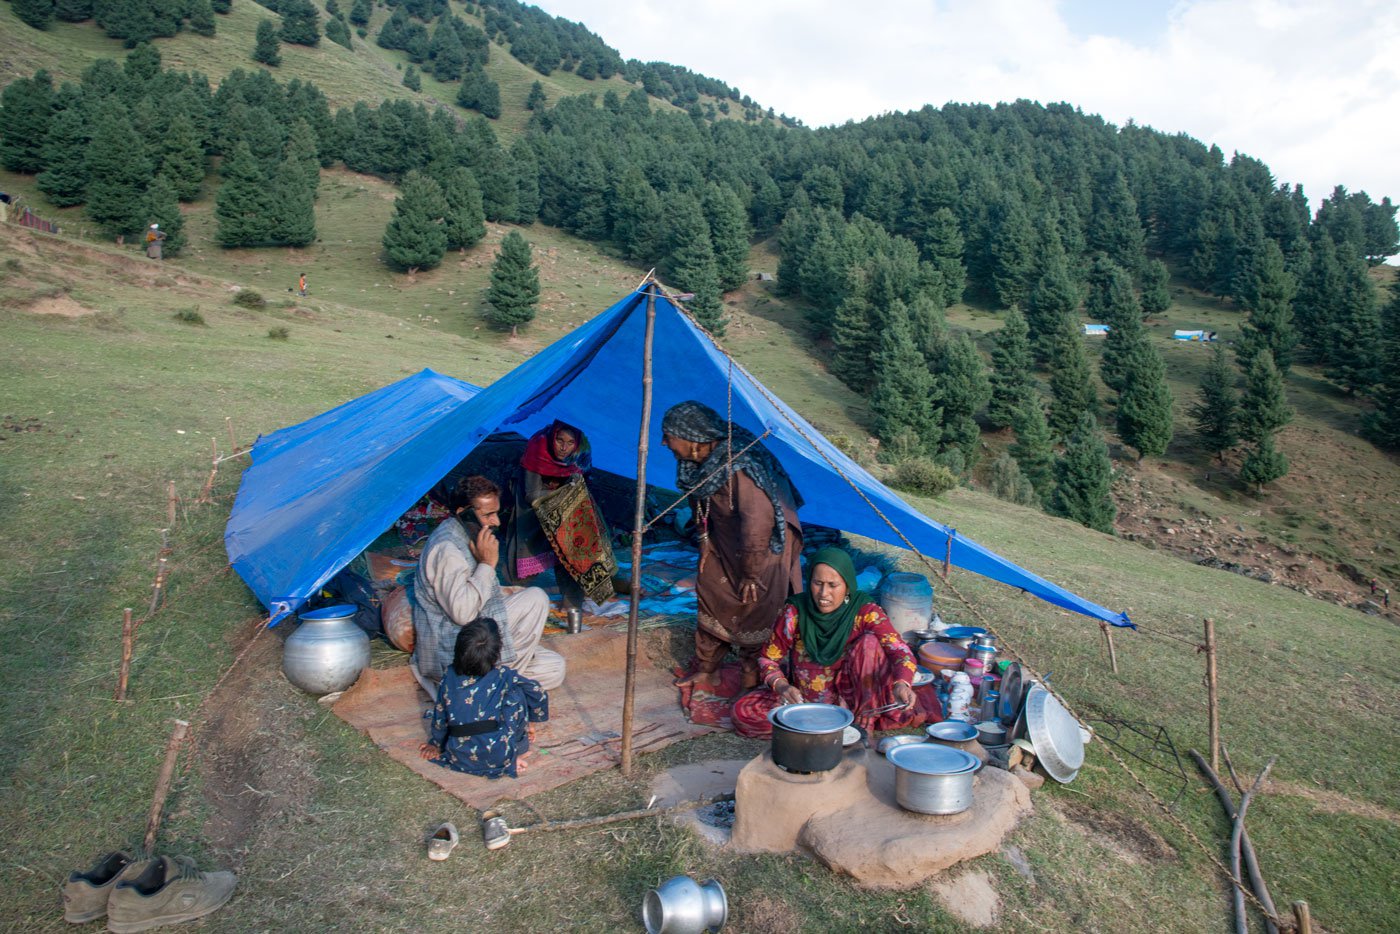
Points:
x=522, y=762
x=700, y=680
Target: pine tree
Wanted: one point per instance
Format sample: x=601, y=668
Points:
x=465, y=220
x=163, y=208
x=1216, y=409
x=1071, y=385
x=36, y=13
x=480, y=93
x=411, y=80
x=301, y=24
x=1116, y=228
x=222, y=6
x=1034, y=449
x=181, y=158
x=1008, y=483
x=118, y=173
x=636, y=215
x=27, y=108
x=1319, y=296
x=1355, y=337
x=1155, y=297
x=706, y=308
x=904, y=400
x=1264, y=407
x=1084, y=479
x=1012, y=253
x=294, y=199
x=339, y=33
x=1118, y=306
x=1263, y=464
x=523, y=178
x=1145, y=402
x=690, y=256
x=244, y=206
x=1013, y=386
x=1270, y=322
x=1052, y=301
x=943, y=245
x=302, y=151
x=960, y=376
x=201, y=14
x=360, y=12
x=448, y=55
x=415, y=238
x=73, y=11
x=729, y=236
x=515, y=285
x=1382, y=425
x=535, y=100
x=266, y=48
x=854, y=341
x=64, y=180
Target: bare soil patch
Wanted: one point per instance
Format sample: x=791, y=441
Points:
x=1331, y=802
x=1131, y=839
x=60, y=305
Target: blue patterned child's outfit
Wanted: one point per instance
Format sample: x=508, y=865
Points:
x=479, y=723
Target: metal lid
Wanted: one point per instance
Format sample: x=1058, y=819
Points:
x=964, y=632
x=1055, y=733
x=339, y=611
x=812, y=718
x=933, y=759
x=951, y=731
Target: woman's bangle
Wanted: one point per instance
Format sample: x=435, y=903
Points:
x=786, y=684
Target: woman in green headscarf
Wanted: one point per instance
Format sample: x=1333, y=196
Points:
x=833, y=644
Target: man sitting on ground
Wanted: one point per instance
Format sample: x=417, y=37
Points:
x=456, y=583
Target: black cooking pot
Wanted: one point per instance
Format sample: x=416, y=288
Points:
x=807, y=737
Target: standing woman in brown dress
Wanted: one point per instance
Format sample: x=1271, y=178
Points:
x=750, y=538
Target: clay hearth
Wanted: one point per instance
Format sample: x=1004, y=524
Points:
x=848, y=818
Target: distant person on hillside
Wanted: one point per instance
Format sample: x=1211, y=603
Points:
x=301, y=285
x=154, y=238
x=750, y=537
x=456, y=584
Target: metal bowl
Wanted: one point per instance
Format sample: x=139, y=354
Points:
x=951, y=731
x=1055, y=734
x=903, y=739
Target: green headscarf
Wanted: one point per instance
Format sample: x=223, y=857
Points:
x=824, y=635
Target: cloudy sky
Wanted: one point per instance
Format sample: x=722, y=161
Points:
x=1311, y=88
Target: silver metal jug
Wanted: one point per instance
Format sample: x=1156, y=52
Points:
x=327, y=652
x=680, y=905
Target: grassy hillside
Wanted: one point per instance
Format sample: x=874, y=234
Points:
x=105, y=395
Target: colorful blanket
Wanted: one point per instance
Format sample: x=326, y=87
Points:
x=579, y=537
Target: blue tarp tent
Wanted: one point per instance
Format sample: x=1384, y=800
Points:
x=318, y=493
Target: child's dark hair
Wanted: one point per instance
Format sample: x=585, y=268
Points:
x=478, y=648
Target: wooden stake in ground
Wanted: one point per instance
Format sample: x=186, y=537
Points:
x=1302, y=917
x=167, y=771
x=232, y=443
x=156, y=590
x=126, y=655
x=1108, y=637
x=638, y=524
x=204, y=494
x=1212, y=698
x=170, y=502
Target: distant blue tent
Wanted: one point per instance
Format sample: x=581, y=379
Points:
x=318, y=493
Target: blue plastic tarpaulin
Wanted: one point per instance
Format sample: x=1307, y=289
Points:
x=318, y=493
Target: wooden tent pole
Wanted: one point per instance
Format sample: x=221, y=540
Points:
x=638, y=525
x=1212, y=696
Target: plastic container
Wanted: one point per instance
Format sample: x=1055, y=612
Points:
x=907, y=600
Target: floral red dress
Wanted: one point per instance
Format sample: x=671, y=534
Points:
x=861, y=679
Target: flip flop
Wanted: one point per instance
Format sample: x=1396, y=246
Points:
x=494, y=830
x=443, y=841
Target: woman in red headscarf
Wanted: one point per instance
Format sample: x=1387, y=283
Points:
x=557, y=456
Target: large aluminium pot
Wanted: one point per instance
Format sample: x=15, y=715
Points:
x=807, y=737
x=327, y=652
x=930, y=778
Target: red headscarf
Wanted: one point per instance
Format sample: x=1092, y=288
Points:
x=539, y=453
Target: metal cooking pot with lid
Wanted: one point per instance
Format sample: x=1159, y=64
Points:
x=807, y=737
x=930, y=778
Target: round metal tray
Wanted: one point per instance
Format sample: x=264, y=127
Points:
x=812, y=718
x=1059, y=746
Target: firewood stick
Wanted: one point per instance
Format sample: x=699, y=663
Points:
x=582, y=822
x=156, y=590
x=1212, y=696
x=167, y=771
x=232, y=443
x=1251, y=860
x=204, y=495
x=1241, y=919
x=126, y=655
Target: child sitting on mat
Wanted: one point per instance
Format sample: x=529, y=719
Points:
x=485, y=714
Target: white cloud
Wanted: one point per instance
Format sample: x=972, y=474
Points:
x=1311, y=89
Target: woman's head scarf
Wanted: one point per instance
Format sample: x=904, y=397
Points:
x=694, y=421
x=539, y=452
x=824, y=635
